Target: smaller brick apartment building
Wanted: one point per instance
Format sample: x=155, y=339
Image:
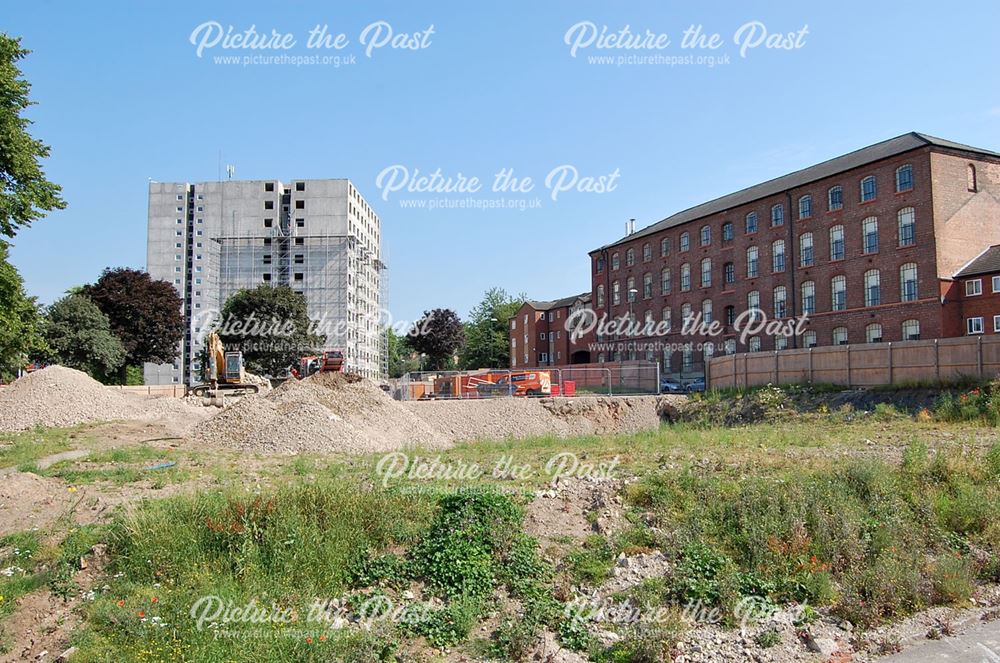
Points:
x=539, y=336
x=867, y=245
x=977, y=289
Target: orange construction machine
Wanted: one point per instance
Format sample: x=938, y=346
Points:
x=331, y=361
x=495, y=383
x=223, y=371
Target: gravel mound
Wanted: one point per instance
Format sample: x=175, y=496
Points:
x=60, y=396
x=325, y=412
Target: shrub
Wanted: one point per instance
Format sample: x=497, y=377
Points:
x=952, y=579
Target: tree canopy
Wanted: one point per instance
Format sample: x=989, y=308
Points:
x=144, y=314
x=487, y=340
x=439, y=335
x=79, y=336
x=19, y=320
x=271, y=326
x=25, y=193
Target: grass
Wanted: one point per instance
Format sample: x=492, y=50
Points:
x=299, y=544
x=772, y=511
x=24, y=449
x=123, y=465
x=34, y=564
x=870, y=540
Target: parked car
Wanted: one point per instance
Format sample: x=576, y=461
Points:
x=670, y=386
x=696, y=385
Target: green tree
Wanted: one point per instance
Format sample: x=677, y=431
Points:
x=401, y=360
x=25, y=194
x=79, y=336
x=19, y=320
x=271, y=326
x=439, y=335
x=144, y=314
x=487, y=341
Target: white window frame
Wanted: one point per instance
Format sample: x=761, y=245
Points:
x=978, y=287
x=996, y=283
x=971, y=323
x=996, y=323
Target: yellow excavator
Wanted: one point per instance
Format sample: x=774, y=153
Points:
x=224, y=371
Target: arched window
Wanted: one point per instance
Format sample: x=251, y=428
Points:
x=615, y=263
x=685, y=277
x=840, y=336
x=706, y=312
x=630, y=290
x=665, y=313
x=685, y=313
x=971, y=178
x=665, y=280
x=616, y=293
x=806, y=250
x=838, y=293
x=805, y=207
x=809, y=339
x=908, y=282
x=600, y=296
x=868, y=189
x=869, y=234
x=730, y=315
x=647, y=285
x=904, y=178
x=835, y=198
x=685, y=241
x=751, y=222
x=706, y=235
x=808, y=297
x=753, y=265
x=778, y=256
x=780, y=300
x=780, y=342
x=647, y=252
x=911, y=330
x=837, y=243
x=873, y=333
x=754, y=344
x=706, y=272
x=906, y=222
x=729, y=346
x=664, y=247
x=873, y=292
x=630, y=257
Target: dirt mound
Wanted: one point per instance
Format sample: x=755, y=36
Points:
x=502, y=418
x=602, y=415
x=326, y=412
x=60, y=396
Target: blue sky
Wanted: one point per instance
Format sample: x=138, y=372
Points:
x=123, y=97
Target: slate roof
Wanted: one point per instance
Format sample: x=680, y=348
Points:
x=557, y=303
x=985, y=263
x=866, y=155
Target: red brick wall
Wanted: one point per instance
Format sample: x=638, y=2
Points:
x=985, y=305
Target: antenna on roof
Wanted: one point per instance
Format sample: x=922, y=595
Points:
x=230, y=170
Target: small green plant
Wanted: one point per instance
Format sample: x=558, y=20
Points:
x=699, y=575
x=514, y=638
x=591, y=564
x=768, y=638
